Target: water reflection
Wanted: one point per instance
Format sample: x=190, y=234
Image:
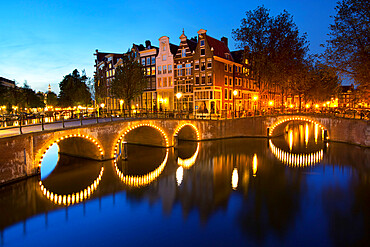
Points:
x=50, y=161
x=236, y=188
x=308, y=145
x=136, y=171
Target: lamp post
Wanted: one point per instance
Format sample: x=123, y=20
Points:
x=255, y=98
x=235, y=92
x=121, y=105
x=102, y=106
x=178, y=96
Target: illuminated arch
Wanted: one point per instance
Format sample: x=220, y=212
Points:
x=128, y=129
x=187, y=163
x=41, y=155
x=296, y=160
x=182, y=125
x=143, y=180
x=294, y=118
x=73, y=198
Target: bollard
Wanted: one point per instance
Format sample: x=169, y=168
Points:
x=63, y=122
x=97, y=118
x=81, y=120
x=268, y=132
x=111, y=118
x=42, y=123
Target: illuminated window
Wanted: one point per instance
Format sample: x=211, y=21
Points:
x=159, y=82
x=148, y=70
x=170, y=82
x=153, y=70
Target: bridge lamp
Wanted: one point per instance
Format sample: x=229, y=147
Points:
x=102, y=105
x=121, y=104
x=255, y=97
x=271, y=103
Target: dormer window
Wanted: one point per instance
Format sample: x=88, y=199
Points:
x=202, y=42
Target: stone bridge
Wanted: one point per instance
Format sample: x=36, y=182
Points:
x=21, y=156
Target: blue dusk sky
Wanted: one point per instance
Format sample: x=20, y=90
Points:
x=42, y=41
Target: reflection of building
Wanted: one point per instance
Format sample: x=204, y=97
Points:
x=6, y=82
x=165, y=74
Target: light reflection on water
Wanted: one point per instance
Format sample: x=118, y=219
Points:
x=222, y=193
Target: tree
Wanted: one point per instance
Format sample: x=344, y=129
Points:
x=129, y=81
x=277, y=50
x=73, y=90
x=51, y=99
x=348, y=47
x=100, y=86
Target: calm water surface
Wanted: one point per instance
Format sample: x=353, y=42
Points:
x=294, y=190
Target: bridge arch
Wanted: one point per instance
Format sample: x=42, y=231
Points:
x=185, y=124
x=41, y=154
x=294, y=118
x=130, y=128
x=76, y=197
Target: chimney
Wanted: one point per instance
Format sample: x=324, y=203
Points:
x=224, y=39
x=147, y=44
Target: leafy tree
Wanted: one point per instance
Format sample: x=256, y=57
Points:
x=277, y=49
x=100, y=87
x=51, y=99
x=348, y=49
x=129, y=81
x=74, y=90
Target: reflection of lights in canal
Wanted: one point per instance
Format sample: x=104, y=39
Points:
x=179, y=175
x=299, y=160
x=255, y=165
x=187, y=163
x=74, y=197
x=138, y=181
x=234, y=179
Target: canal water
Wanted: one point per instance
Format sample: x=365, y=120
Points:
x=294, y=190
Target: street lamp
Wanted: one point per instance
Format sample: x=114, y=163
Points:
x=235, y=92
x=121, y=104
x=255, y=98
x=178, y=96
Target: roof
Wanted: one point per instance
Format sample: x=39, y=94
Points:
x=238, y=56
x=101, y=56
x=192, y=44
x=173, y=48
x=219, y=48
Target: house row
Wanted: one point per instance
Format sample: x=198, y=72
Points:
x=200, y=75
